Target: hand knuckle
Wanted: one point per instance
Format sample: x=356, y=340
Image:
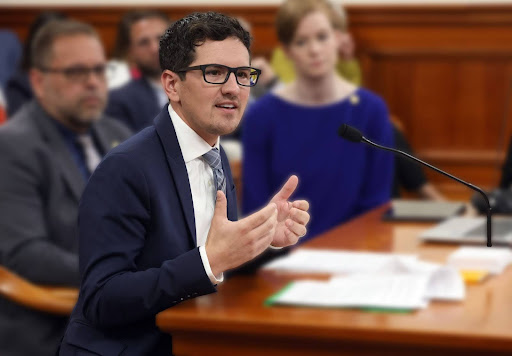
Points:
x=261, y=219
x=243, y=230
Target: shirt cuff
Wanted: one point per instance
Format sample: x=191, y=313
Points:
x=206, y=264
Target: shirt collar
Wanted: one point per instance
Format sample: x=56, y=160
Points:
x=192, y=145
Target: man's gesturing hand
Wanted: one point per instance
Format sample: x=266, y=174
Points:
x=292, y=217
x=232, y=243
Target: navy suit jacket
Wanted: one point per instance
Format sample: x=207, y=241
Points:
x=135, y=104
x=137, y=245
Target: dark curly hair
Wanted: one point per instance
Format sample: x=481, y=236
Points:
x=177, y=45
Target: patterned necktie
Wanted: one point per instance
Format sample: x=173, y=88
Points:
x=213, y=159
x=92, y=157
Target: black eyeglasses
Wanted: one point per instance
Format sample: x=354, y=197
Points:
x=78, y=73
x=219, y=74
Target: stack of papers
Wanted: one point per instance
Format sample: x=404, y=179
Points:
x=492, y=260
x=335, y=262
x=394, y=282
x=444, y=283
x=390, y=292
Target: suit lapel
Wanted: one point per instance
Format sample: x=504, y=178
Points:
x=167, y=134
x=56, y=144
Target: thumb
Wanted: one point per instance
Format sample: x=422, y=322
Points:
x=287, y=189
x=221, y=206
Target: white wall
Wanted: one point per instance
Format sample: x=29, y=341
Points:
x=139, y=3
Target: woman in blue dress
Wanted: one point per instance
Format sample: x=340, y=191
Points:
x=293, y=130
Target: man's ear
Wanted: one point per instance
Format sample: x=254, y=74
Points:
x=171, y=83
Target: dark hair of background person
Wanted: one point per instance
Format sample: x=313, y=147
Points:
x=125, y=25
x=291, y=12
x=42, y=44
x=39, y=22
x=177, y=45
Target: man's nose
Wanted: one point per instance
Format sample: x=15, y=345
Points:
x=95, y=79
x=231, y=86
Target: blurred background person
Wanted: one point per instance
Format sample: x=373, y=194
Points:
x=268, y=78
x=9, y=60
x=341, y=179
x=3, y=110
x=409, y=175
x=500, y=198
x=347, y=65
x=120, y=69
x=506, y=171
x=9, y=55
x=18, y=90
x=266, y=81
x=140, y=100
x=47, y=152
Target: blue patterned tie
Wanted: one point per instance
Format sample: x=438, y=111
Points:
x=213, y=159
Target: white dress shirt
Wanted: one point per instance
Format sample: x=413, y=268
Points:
x=202, y=186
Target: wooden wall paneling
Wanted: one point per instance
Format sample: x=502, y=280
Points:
x=444, y=71
x=449, y=104
x=105, y=20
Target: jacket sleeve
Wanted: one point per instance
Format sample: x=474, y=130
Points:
x=114, y=219
x=25, y=244
x=408, y=174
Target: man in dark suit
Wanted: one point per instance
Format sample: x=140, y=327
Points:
x=158, y=220
x=44, y=169
x=140, y=100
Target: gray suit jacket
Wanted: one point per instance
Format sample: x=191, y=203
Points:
x=40, y=187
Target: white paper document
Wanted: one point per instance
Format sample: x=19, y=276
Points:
x=397, y=283
x=334, y=262
x=444, y=282
x=447, y=284
x=390, y=292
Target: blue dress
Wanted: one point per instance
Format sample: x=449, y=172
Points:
x=340, y=179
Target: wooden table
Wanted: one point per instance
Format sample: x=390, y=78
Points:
x=234, y=320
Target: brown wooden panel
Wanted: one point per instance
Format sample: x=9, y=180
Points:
x=464, y=98
x=105, y=19
x=445, y=71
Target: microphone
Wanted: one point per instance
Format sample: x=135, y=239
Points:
x=352, y=134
